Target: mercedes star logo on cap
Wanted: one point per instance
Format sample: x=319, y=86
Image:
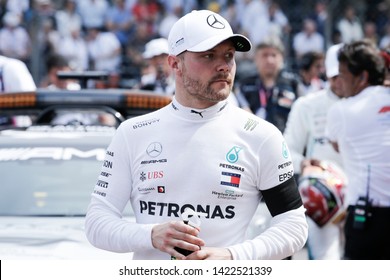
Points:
x=214, y=22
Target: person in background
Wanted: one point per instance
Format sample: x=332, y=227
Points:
x=308, y=39
x=15, y=41
x=385, y=39
x=147, y=164
x=320, y=16
x=278, y=22
x=133, y=61
x=159, y=76
x=73, y=47
x=168, y=19
x=231, y=13
x=67, y=18
x=15, y=76
x=254, y=20
x=104, y=50
x=271, y=91
x=386, y=57
x=350, y=27
x=147, y=13
x=93, y=13
x=311, y=72
x=48, y=38
x=359, y=129
x=119, y=21
x=19, y=7
x=305, y=135
x=370, y=32
x=57, y=63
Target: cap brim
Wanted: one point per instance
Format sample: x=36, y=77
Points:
x=332, y=72
x=147, y=55
x=153, y=53
x=241, y=43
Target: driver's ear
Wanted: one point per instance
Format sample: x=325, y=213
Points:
x=175, y=63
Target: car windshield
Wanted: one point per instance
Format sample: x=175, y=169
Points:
x=46, y=186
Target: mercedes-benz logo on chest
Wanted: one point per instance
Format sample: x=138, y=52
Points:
x=154, y=149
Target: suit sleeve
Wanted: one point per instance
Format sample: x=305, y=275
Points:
x=288, y=229
x=104, y=225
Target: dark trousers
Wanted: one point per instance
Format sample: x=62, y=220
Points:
x=373, y=241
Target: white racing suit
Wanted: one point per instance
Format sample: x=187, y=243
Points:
x=220, y=161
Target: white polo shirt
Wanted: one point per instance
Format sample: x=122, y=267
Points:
x=361, y=126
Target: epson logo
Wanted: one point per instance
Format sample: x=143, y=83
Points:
x=285, y=176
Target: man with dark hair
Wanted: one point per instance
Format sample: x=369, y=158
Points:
x=359, y=128
x=311, y=72
x=362, y=65
x=54, y=64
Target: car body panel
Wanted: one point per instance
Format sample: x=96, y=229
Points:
x=48, y=174
x=49, y=238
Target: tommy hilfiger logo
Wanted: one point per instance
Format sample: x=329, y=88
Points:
x=230, y=179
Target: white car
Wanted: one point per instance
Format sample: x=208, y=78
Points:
x=47, y=176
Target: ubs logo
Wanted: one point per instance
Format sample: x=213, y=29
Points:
x=154, y=149
x=214, y=22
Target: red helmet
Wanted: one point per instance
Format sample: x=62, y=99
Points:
x=322, y=192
